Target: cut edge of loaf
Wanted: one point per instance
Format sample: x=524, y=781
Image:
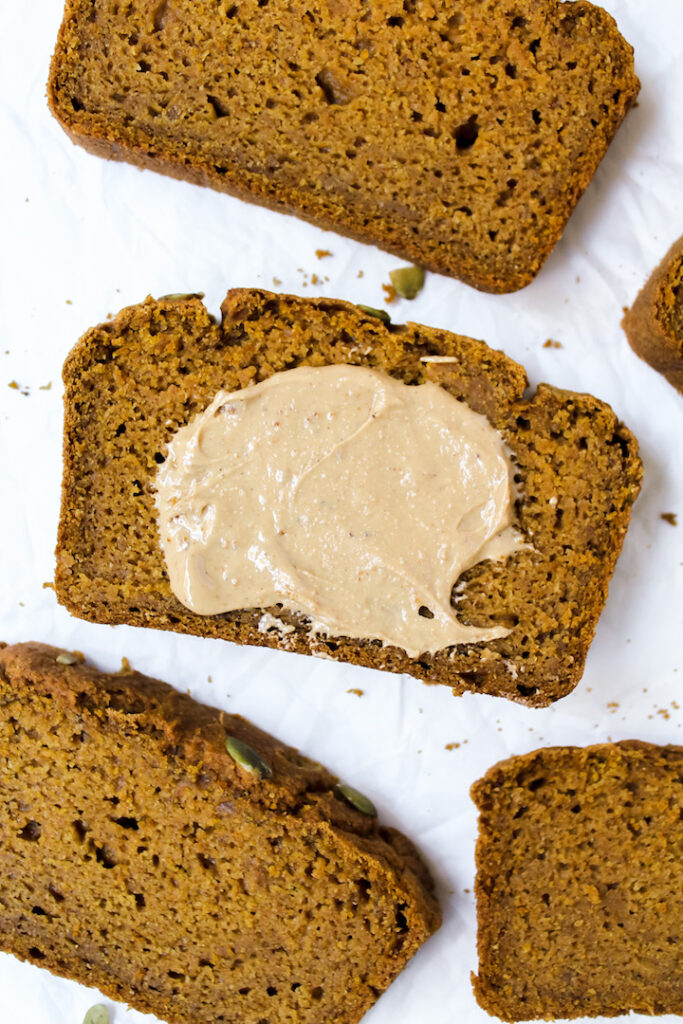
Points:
x=491, y=383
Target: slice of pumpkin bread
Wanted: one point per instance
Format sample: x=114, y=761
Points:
x=579, y=882
x=132, y=382
x=460, y=136
x=654, y=323
x=140, y=856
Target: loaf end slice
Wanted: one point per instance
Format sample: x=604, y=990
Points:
x=132, y=382
x=139, y=857
x=579, y=882
x=459, y=139
x=654, y=324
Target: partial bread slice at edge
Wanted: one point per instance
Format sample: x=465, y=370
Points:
x=138, y=856
x=579, y=882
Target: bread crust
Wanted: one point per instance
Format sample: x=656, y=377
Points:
x=130, y=383
x=119, y=771
x=648, y=323
x=578, y=882
x=467, y=238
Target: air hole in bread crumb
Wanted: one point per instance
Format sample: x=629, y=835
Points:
x=36, y=953
x=220, y=109
x=125, y=822
x=318, y=992
x=31, y=832
x=466, y=134
x=526, y=691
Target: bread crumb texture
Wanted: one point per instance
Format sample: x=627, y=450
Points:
x=459, y=139
x=140, y=858
x=654, y=324
x=132, y=382
x=579, y=880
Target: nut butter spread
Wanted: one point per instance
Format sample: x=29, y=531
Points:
x=342, y=494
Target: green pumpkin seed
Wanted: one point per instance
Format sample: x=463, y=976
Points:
x=381, y=314
x=97, y=1015
x=355, y=799
x=247, y=758
x=408, y=281
x=180, y=296
x=66, y=659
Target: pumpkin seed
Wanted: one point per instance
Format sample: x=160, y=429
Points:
x=408, y=281
x=381, y=314
x=97, y=1015
x=179, y=296
x=247, y=758
x=66, y=659
x=355, y=799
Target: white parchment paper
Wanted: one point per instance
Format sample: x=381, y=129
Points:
x=81, y=238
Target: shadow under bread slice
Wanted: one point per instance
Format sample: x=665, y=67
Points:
x=187, y=863
x=579, y=882
x=133, y=382
x=654, y=323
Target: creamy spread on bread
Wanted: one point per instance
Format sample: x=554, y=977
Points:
x=343, y=495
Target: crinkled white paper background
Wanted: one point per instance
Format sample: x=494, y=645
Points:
x=81, y=238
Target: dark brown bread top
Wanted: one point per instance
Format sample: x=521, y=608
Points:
x=579, y=882
x=459, y=138
x=654, y=324
x=137, y=856
x=130, y=383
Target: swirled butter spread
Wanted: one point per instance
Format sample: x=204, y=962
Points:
x=339, y=493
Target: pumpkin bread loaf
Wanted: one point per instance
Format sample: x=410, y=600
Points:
x=140, y=857
x=654, y=324
x=133, y=381
x=579, y=882
x=459, y=136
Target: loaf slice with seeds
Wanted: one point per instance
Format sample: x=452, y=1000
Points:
x=579, y=881
x=458, y=136
x=133, y=381
x=140, y=857
x=654, y=324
